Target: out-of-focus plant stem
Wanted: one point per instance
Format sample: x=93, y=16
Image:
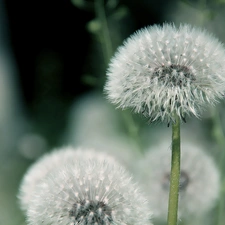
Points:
x=218, y=134
x=104, y=32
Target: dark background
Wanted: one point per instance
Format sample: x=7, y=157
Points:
x=53, y=49
x=42, y=32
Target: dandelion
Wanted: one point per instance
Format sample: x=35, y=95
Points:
x=199, y=181
x=162, y=71
x=45, y=165
x=88, y=192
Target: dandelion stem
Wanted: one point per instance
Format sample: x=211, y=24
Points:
x=105, y=36
x=132, y=129
x=220, y=139
x=175, y=174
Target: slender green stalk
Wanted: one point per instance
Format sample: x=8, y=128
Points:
x=104, y=35
x=220, y=139
x=175, y=174
x=132, y=129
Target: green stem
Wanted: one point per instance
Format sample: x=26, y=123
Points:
x=133, y=129
x=104, y=35
x=175, y=174
x=220, y=139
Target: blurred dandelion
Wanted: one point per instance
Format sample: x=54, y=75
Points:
x=88, y=190
x=93, y=117
x=162, y=71
x=199, y=181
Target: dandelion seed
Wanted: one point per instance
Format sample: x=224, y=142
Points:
x=162, y=71
x=74, y=194
x=199, y=181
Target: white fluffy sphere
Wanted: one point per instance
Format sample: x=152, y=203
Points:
x=164, y=70
x=48, y=163
x=93, y=190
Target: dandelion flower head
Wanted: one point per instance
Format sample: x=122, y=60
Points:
x=88, y=191
x=46, y=164
x=163, y=70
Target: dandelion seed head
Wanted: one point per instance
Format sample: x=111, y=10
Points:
x=199, y=181
x=48, y=163
x=164, y=70
x=94, y=117
x=88, y=192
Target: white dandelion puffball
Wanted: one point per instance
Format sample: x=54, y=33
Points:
x=88, y=192
x=199, y=181
x=45, y=165
x=162, y=71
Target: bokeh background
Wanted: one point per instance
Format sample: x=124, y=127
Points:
x=53, y=60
